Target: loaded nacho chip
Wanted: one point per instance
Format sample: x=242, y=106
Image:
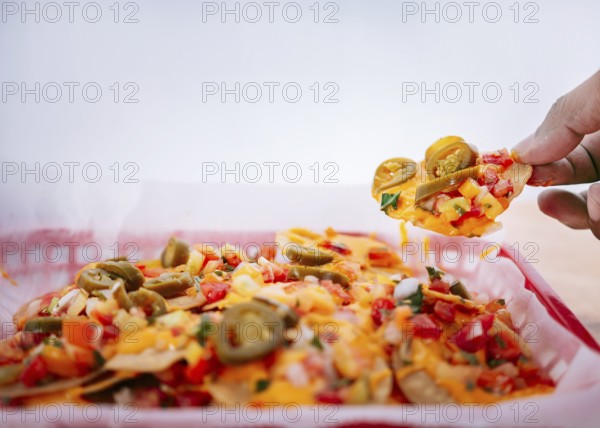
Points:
x=454, y=191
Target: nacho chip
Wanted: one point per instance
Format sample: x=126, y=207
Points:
x=455, y=191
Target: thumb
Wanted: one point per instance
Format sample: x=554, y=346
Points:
x=570, y=118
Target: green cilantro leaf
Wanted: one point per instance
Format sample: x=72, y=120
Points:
x=415, y=300
x=493, y=363
x=471, y=358
x=389, y=200
x=434, y=273
x=98, y=358
x=501, y=343
x=262, y=384
x=205, y=329
x=316, y=342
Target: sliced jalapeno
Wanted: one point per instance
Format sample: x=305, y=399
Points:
x=249, y=331
x=458, y=289
x=446, y=183
x=448, y=155
x=43, y=325
x=175, y=253
x=393, y=172
x=119, y=293
x=300, y=272
x=170, y=283
x=134, y=278
x=287, y=314
x=151, y=302
x=96, y=279
x=308, y=256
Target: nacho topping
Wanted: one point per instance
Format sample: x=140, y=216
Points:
x=359, y=328
x=455, y=191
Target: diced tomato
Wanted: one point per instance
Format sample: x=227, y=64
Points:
x=154, y=272
x=104, y=318
x=83, y=333
x=473, y=213
x=337, y=290
x=424, y=326
x=338, y=247
x=502, y=188
x=445, y=311
x=503, y=346
x=330, y=397
x=192, y=398
x=473, y=335
x=531, y=373
x=110, y=332
x=34, y=372
x=173, y=375
x=195, y=374
x=489, y=177
x=270, y=359
x=380, y=309
x=232, y=258
x=499, y=157
x=280, y=275
x=269, y=252
x=214, y=291
x=209, y=256
x=440, y=286
x=495, y=382
x=30, y=339
x=381, y=257
x=272, y=272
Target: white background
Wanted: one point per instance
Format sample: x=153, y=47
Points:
x=370, y=54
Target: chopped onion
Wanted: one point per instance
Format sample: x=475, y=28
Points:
x=405, y=288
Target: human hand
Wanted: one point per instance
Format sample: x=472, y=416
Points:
x=565, y=149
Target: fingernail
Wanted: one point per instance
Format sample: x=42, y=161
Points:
x=593, y=204
x=519, y=151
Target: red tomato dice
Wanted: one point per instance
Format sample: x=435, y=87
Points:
x=34, y=372
x=380, y=309
x=330, y=397
x=444, y=311
x=424, y=326
x=499, y=157
x=503, y=346
x=214, y=291
x=381, y=257
x=440, y=286
x=338, y=247
x=502, y=188
x=495, y=382
x=473, y=335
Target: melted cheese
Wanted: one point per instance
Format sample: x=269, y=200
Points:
x=408, y=211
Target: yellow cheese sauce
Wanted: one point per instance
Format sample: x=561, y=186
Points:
x=408, y=211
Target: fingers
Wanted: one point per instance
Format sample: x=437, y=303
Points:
x=580, y=166
x=593, y=206
x=571, y=117
x=576, y=211
x=568, y=208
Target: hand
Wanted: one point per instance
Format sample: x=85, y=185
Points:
x=565, y=149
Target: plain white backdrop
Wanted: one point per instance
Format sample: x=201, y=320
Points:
x=497, y=67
